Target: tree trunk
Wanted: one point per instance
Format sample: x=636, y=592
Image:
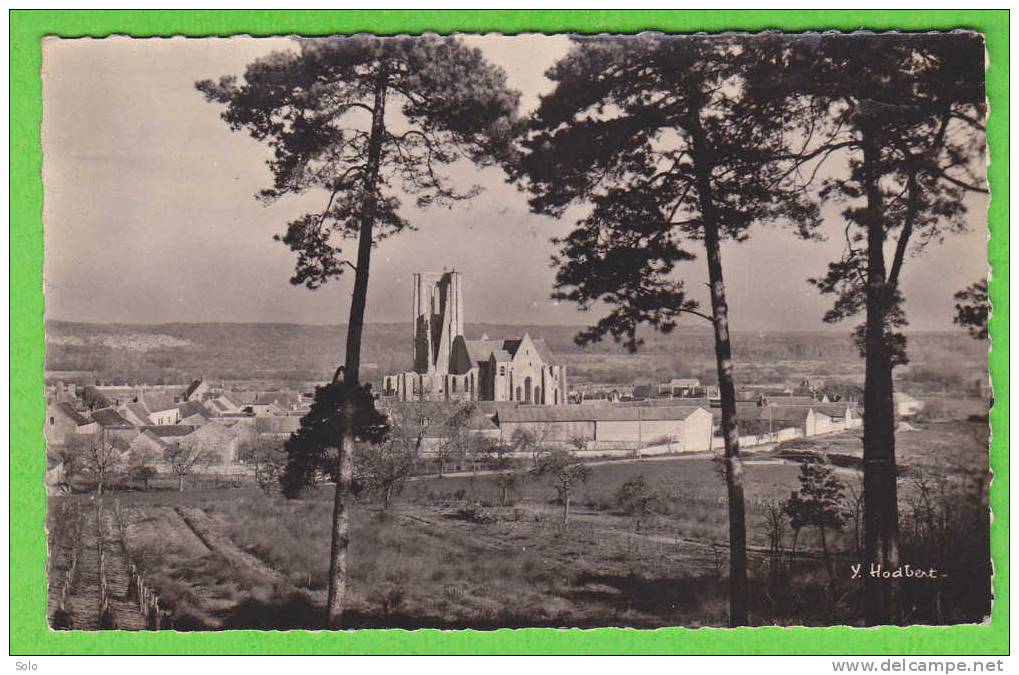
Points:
x=388, y=498
x=352, y=365
x=880, y=501
x=566, y=508
x=726, y=384
x=827, y=558
x=180, y=482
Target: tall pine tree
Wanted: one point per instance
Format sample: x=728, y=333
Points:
x=364, y=120
x=666, y=145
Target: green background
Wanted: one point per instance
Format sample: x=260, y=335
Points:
x=29, y=632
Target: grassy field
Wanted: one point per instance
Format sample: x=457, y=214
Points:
x=446, y=555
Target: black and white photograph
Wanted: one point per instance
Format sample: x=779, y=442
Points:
x=503, y=331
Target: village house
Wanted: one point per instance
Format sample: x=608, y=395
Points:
x=193, y=413
x=171, y=434
x=196, y=390
x=275, y=403
x=135, y=413
x=147, y=448
x=682, y=387
x=64, y=422
x=222, y=404
x=162, y=409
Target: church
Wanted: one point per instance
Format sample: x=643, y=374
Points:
x=449, y=367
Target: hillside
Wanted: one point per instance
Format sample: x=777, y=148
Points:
x=177, y=352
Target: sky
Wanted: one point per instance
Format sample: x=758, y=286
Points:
x=150, y=217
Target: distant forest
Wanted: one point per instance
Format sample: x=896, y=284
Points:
x=297, y=354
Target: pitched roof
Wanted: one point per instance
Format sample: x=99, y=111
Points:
x=504, y=350
x=558, y=413
x=150, y=436
x=170, y=430
x=190, y=408
x=833, y=409
x=241, y=397
x=191, y=388
x=218, y=405
x=217, y=429
x=156, y=402
x=140, y=412
x=544, y=352
x=481, y=350
x=482, y=422
x=73, y=414
x=512, y=345
x=109, y=418
x=783, y=413
x=283, y=399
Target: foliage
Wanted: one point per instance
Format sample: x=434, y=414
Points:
x=818, y=503
x=653, y=133
x=142, y=473
x=383, y=469
x=774, y=524
x=973, y=308
x=99, y=456
x=909, y=113
x=565, y=471
x=311, y=106
x=312, y=451
x=268, y=459
x=184, y=458
x=507, y=482
x=458, y=438
x=638, y=499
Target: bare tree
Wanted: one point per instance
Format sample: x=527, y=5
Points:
x=507, y=481
x=565, y=471
x=100, y=455
x=267, y=459
x=774, y=528
x=853, y=510
x=459, y=438
x=383, y=469
x=183, y=459
x=411, y=422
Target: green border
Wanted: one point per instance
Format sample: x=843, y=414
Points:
x=29, y=633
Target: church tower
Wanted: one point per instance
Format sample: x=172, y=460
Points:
x=438, y=319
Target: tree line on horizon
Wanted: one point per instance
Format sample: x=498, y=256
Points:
x=666, y=146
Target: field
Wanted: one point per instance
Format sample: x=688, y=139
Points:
x=447, y=555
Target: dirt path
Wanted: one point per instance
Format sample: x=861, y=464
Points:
x=210, y=533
